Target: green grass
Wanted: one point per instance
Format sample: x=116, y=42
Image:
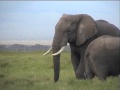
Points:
x=32, y=71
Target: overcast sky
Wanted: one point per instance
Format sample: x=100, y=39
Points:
x=35, y=20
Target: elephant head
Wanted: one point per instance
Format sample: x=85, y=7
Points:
x=73, y=29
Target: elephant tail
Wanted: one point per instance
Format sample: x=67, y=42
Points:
x=86, y=57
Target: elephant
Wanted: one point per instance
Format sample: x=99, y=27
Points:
x=102, y=57
x=78, y=30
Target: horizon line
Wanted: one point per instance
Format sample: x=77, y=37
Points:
x=26, y=42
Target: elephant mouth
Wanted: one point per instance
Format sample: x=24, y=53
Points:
x=55, y=54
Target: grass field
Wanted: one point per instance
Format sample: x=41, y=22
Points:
x=32, y=71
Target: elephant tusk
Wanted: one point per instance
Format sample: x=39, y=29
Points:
x=47, y=51
x=62, y=48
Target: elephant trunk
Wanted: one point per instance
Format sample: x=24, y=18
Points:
x=56, y=59
x=56, y=62
x=58, y=46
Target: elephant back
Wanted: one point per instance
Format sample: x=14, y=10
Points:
x=106, y=28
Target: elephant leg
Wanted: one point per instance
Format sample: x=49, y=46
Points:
x=89, y=74
x=75, y=59
x=88, y=70
x=101, y=71
x=80, y=70
x=102, y=75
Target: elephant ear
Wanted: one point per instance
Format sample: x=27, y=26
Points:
x=86, y=29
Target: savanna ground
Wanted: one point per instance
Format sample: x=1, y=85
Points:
x=33, y=71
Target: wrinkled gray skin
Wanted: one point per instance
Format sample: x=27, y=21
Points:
x=102, y=57
x=78, y=30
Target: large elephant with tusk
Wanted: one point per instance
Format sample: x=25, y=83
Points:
x=77, y=30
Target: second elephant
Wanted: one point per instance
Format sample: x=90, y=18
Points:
x=102, y=57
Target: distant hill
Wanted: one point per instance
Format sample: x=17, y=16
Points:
x=20, y=47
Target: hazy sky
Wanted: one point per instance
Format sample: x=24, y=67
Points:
x=35, y=20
